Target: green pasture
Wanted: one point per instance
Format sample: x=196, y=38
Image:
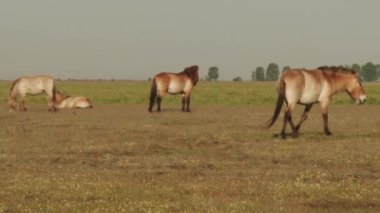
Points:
x=205, y=93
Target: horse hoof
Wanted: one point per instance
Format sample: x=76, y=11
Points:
x=295, y=135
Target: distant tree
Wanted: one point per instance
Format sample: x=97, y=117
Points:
x=253, y=75
x=272, y=72
x=346, y=66
x=369, y=72
x=285, y=68
x=378, y=70
x=238, y=78
x=260, y=74
x=213, y=74
x=358, y=69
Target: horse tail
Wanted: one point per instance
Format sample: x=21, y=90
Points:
x=153, y=94
x=280, y=102
x=12, y=94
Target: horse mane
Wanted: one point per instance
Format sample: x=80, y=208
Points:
x=192, y=73
x=14, y=84
x=337, y=69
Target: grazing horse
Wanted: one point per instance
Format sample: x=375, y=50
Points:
x=174, y=83
x=32, y=86
x=306, y=87
x=63, y=101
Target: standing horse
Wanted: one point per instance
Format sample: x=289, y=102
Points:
x=306, y=87
x=174, y=83
x=63, y=101
x=31, y=86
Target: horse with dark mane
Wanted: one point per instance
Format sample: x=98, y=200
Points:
x=174, y=83
x=32, y=86
x=306, y=87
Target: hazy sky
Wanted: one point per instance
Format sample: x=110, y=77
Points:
x=134, y=39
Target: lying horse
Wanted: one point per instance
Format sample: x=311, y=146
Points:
x=306, y=87
x=174, y=83
x=63, y=101
x=31, y=86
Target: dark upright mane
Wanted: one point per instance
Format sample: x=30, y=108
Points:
x=336, y=69
x=192, y=73
x=14, y=84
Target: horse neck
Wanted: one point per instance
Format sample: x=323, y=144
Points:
x=14, y=89
x=339, y=81
x=192, y=76
x=13, y=93
x=60, y=98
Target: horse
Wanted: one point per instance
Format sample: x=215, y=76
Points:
x=63, y=101
x=32, y=86
x=307, y=87
x=174, y=83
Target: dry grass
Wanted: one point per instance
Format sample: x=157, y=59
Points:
x=120, y=158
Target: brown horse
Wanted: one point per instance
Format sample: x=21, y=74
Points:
x=32, y=86
x=306, y=87
x=79, y=102
x=174, y=83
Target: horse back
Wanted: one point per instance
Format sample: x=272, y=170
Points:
x=305, y=86
x=35, y=85
x=172, y=82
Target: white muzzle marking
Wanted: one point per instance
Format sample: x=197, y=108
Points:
x=361, y=99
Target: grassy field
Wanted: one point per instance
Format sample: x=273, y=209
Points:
x=118, y=157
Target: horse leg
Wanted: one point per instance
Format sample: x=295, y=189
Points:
x=188, y=104
x=291, y=122
x=303, y=118
x=23, y=103
x=183, y=102
x=51, y=106
x=159, y=99
x=325, y=123
x=287, y=118
x=325, y=119
x=52, y=101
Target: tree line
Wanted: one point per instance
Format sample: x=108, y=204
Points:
x=367, y=72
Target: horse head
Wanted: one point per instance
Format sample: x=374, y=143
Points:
x=193, y=73
x=356, y=90
x=348, y=80
x=59, y=97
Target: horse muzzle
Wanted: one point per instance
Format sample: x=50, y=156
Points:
x=361, y=99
